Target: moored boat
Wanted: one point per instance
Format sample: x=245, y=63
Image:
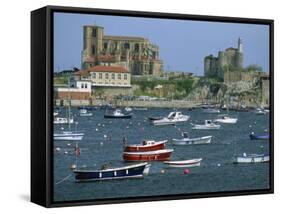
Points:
x=85, y=113
x=253, y=136
x=68, y=136
x=208, y=125
x=226, y=119
x=63, y=120
x=146, y=145
x=117, y=114
x=158, y=155
x=128, y=109
x=251, y=158
x=184, y=163
x=131, y=171
x=260, y=111
x=191, y=141
x=173, y=118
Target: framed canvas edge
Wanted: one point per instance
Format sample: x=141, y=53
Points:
x=49, y=103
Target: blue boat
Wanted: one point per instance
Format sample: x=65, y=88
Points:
x=131, y=171
x=253, y=136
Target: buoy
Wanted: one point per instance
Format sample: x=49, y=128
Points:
x=162, y=171
x=139, y=124
x=57, y=149
x=250, y=126
x=101, y=143
x=69, y=144
x=97, y=129
x=127, y=127
x=103, y=125
x=62, y=128
x=73, y=166
x=99, y=124
x=219, y=164
x=185, y=171
x=105, y=136
x=65, y=152
x=265, y=130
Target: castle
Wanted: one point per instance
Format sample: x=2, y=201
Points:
x=230, y=60
x=136, y=54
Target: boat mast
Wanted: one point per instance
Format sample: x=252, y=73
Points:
x=69, y=126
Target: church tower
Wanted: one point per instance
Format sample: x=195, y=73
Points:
x=240, y=46
x=239, y=55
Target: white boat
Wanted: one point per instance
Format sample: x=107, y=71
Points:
x=56, y=113
x=63, y=120
x=85, y=113
x=68, y=136
x=184, y=163
x=128, y=109
x=260, y=111
x=252, y=158
x=226, y=119
x=173, y=118
x=191, y=141
x=208, y=125
x=211, y=111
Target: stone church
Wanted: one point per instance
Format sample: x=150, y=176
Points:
x=136, y=54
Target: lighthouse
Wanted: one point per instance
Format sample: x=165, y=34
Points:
x=240, y=46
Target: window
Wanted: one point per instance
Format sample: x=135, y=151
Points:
x=112, y=76
x=94, y=32
x=93, y=49
x=127, y=45
x=137, y=47
x=100, y=75
x=82, y=85
x=106, y=75
x=105, y=45
x=94, y=75
x=125, y=76
x=119, y=76
x=86, y=85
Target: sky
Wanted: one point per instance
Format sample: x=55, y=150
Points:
x=183, y=44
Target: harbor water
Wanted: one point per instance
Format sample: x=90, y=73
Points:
x=102, y=144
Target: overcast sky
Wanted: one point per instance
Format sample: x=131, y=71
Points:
x=183, y=44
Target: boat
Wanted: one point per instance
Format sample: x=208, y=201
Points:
x=56, y=113
x=208, y=125
x=226, y=119
x=158, y=155
x=251, y=158
x=261, y=111
x=191, y=141
x=146, y=145
x=211, y=111
x=155, y=118
x=131, y=171
x=253, y=136
x=117, y=114
x=83, y=112
x=68, y=136
x=128, y=109
x=173, y=118
x=63, y=120
x=184, y=163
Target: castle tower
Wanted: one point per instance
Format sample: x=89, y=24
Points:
x=240, y=45
x=92, y=41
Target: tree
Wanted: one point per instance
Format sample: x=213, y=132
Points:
x=254, y=67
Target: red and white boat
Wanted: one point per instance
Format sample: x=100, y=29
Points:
x=146, y=145
x=158, y=155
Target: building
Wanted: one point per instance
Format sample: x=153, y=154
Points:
x=136, y=54
x=265, y=86
x=111, y=80
x=229, y=60
x=79, y=90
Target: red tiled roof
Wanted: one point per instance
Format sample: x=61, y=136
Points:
x=101, y=68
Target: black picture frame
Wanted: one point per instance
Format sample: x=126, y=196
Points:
x=42, y=103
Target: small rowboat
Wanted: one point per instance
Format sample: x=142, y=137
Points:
x=68, y=136
x=158, y=155
x=146, y=145
x=191, y=141
x=184, y=163
x=131, y=171
x=251, y=158
x=253, y=136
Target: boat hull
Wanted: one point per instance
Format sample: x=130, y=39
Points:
x=182, y=164
x=143, y=148
x=257, y=159
x=127, y=116
x=227, y=121
x=259, y=137
x=160, y=155
x=203, y=127
x=192, y=141
x=134, y=171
